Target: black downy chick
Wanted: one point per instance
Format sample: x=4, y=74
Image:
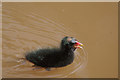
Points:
x=55, y=57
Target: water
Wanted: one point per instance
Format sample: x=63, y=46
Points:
x=24, y=32
x=29, y=26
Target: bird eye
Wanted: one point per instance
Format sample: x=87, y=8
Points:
x=73, y=41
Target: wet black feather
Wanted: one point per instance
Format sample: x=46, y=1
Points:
x=53, y=57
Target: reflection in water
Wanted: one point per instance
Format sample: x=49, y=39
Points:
x=24, y=32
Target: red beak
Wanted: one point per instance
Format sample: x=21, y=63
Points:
x=78, y=44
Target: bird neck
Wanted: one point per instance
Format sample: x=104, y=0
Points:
x=67, y=49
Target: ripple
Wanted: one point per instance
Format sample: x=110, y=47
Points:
x=29, y=32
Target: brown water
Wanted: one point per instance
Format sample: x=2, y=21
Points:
x=28, y=26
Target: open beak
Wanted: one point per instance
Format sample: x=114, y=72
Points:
x=78, y=45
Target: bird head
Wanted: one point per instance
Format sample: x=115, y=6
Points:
x=70, y=43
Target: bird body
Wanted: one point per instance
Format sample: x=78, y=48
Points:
x=50, y=57
x=54, y=57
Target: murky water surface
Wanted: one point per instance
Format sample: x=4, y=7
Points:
x=28, y=26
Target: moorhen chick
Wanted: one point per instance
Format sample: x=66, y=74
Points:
x=55, y=57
